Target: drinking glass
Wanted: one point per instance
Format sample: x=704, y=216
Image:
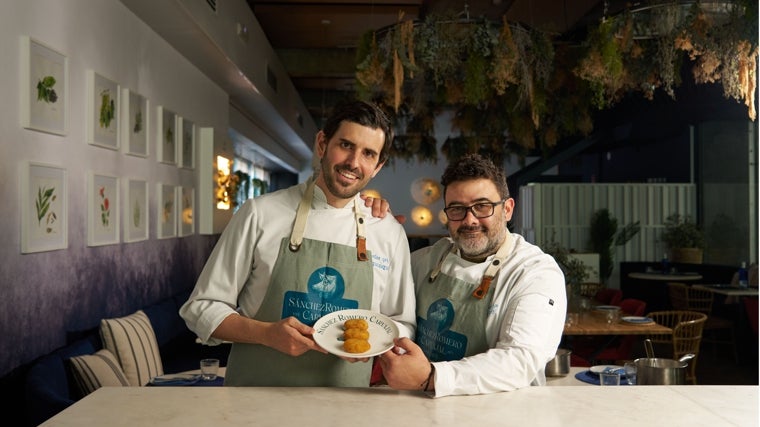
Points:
x=609, y=378
x=611, y=316
x=209, y=369
x=572, y=319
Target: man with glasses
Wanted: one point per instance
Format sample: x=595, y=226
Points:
x=490, y=306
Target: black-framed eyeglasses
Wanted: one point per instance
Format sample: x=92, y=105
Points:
x=480, y=210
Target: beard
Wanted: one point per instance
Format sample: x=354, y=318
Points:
x=337, y=184
x=478, y=242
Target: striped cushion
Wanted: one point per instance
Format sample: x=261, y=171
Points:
x=132, y=340
x=93, y=371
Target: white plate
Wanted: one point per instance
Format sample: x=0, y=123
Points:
x=636, y=319
x=601, y=368
x=328, y=332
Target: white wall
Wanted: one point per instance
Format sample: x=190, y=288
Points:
x=45, y=294
x=106, y=37
x=562, y=212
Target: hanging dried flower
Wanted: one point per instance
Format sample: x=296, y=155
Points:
x=603, y=64
x=371, y=71
x=741, y=74
x=513, y=93
x=504, y=66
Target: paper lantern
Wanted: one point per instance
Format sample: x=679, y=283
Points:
x=422, y=216
x=425, y=191
x=442, y=218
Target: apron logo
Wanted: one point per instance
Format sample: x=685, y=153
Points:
x=441, y=315
x=324, y=282
x=434, y=336
x=324, y=295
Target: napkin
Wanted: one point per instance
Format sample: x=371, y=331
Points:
x=175, y=379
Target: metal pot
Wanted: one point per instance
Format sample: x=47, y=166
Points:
x=559, y=366
x=658, y=371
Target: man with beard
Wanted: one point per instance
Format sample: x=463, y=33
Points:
x=291, y=256
x=504, y=298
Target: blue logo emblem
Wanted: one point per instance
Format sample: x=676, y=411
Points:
x=434, y=336
x=327, y=283
x=325, y=295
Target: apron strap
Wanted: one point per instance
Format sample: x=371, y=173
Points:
x=302, y=214
x=361, y=241
x=494, y=267
x=437, y=269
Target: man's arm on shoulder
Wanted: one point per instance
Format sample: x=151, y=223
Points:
x=381, y=207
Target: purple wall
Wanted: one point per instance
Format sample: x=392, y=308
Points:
x=47, y=297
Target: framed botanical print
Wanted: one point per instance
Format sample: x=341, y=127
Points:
x=102, y=209
x=136, y=123
x=166, y=135
x=187, y=143
x=186, y=211
x=44, y=208
x=102, y=111
x=167, y=216
x=44, y=88
x=136, y=219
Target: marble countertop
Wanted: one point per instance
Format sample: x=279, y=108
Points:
x=571, y=405
x=568, y=379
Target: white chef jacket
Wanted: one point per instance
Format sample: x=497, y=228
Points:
x=237, y=274
x=524, y=325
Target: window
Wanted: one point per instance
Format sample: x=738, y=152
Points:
x=253, y=180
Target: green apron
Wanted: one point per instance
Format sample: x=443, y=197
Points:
x=452, y=313
x=309, y=280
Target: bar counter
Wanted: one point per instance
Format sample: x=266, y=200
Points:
x=535, y=406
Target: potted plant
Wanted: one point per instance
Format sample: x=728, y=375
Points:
x=605, y=236
x=576, y=272
x=684, y=239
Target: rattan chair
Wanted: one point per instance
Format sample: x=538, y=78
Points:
x=718, y=330
x=686, y=336
x=678, y=293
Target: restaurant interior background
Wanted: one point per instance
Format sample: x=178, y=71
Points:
x=193, y=61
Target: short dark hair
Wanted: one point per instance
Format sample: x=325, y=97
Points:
x=474, y=166
x=365, y=114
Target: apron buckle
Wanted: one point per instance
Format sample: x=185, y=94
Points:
x=361, y=248
x=482, y=290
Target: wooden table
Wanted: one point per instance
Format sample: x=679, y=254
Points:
x=594, y=324
x=580, y=405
